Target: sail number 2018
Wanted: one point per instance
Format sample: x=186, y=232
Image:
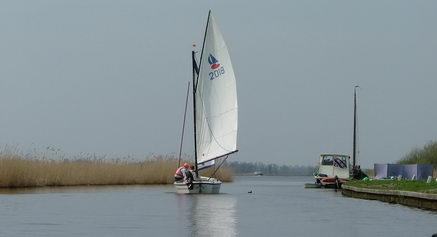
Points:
x=216, y=73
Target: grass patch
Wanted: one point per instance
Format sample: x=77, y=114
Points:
x=403, y=185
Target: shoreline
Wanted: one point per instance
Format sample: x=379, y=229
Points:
x=427, y=201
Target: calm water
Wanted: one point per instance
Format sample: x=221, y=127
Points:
x=278, y=206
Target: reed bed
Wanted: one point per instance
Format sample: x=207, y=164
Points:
x=17, y=171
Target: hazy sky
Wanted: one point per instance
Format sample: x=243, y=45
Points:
x=110, y=77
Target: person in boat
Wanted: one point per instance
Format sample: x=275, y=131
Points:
x=358, y=173
x=182, y=173
x=193, y=173
x=190, y=177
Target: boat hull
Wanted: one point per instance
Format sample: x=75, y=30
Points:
x=203, y=186
x=329, y=182
x=312, y=185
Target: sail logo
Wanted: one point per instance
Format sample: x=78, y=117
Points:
x=218, y=70
x=213, y=62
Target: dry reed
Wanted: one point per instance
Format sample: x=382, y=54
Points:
x=18, y=171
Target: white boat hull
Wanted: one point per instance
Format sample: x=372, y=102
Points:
x=203, y=186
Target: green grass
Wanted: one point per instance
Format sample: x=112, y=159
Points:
x=403, y=185
x=425, y=155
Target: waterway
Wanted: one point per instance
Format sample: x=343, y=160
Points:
x=276, y=206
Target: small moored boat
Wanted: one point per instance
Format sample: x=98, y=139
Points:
x=333, y=170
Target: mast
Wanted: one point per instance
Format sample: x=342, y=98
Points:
x=203, y=46
x=196, y=69
x=354, y=152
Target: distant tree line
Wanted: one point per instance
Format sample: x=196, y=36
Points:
x=248, y=168
x=425, y=155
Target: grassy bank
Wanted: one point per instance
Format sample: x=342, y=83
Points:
x=403, y=185
x=23, y=171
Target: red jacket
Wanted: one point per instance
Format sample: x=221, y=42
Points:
x=181, y=173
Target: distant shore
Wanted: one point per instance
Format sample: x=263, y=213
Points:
x=22, y=172
x=405, y=192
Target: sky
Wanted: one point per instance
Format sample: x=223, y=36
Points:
x=109, y=77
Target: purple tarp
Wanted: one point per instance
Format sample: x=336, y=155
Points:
x=406, y=171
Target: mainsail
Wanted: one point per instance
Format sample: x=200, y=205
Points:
x=216, y=99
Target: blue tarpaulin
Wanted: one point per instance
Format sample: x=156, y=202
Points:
x=405, y=171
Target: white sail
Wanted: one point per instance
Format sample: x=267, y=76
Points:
x=205, y=165
x=216, y=99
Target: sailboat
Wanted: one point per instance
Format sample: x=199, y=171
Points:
x=215, y=108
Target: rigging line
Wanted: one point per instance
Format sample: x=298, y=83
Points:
x=215, y=171
x=183, y=125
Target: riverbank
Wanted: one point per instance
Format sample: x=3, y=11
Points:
x=19, y=172
x=406, y=192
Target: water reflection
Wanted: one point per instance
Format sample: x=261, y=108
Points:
x=209, y=215
x=71, y=189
